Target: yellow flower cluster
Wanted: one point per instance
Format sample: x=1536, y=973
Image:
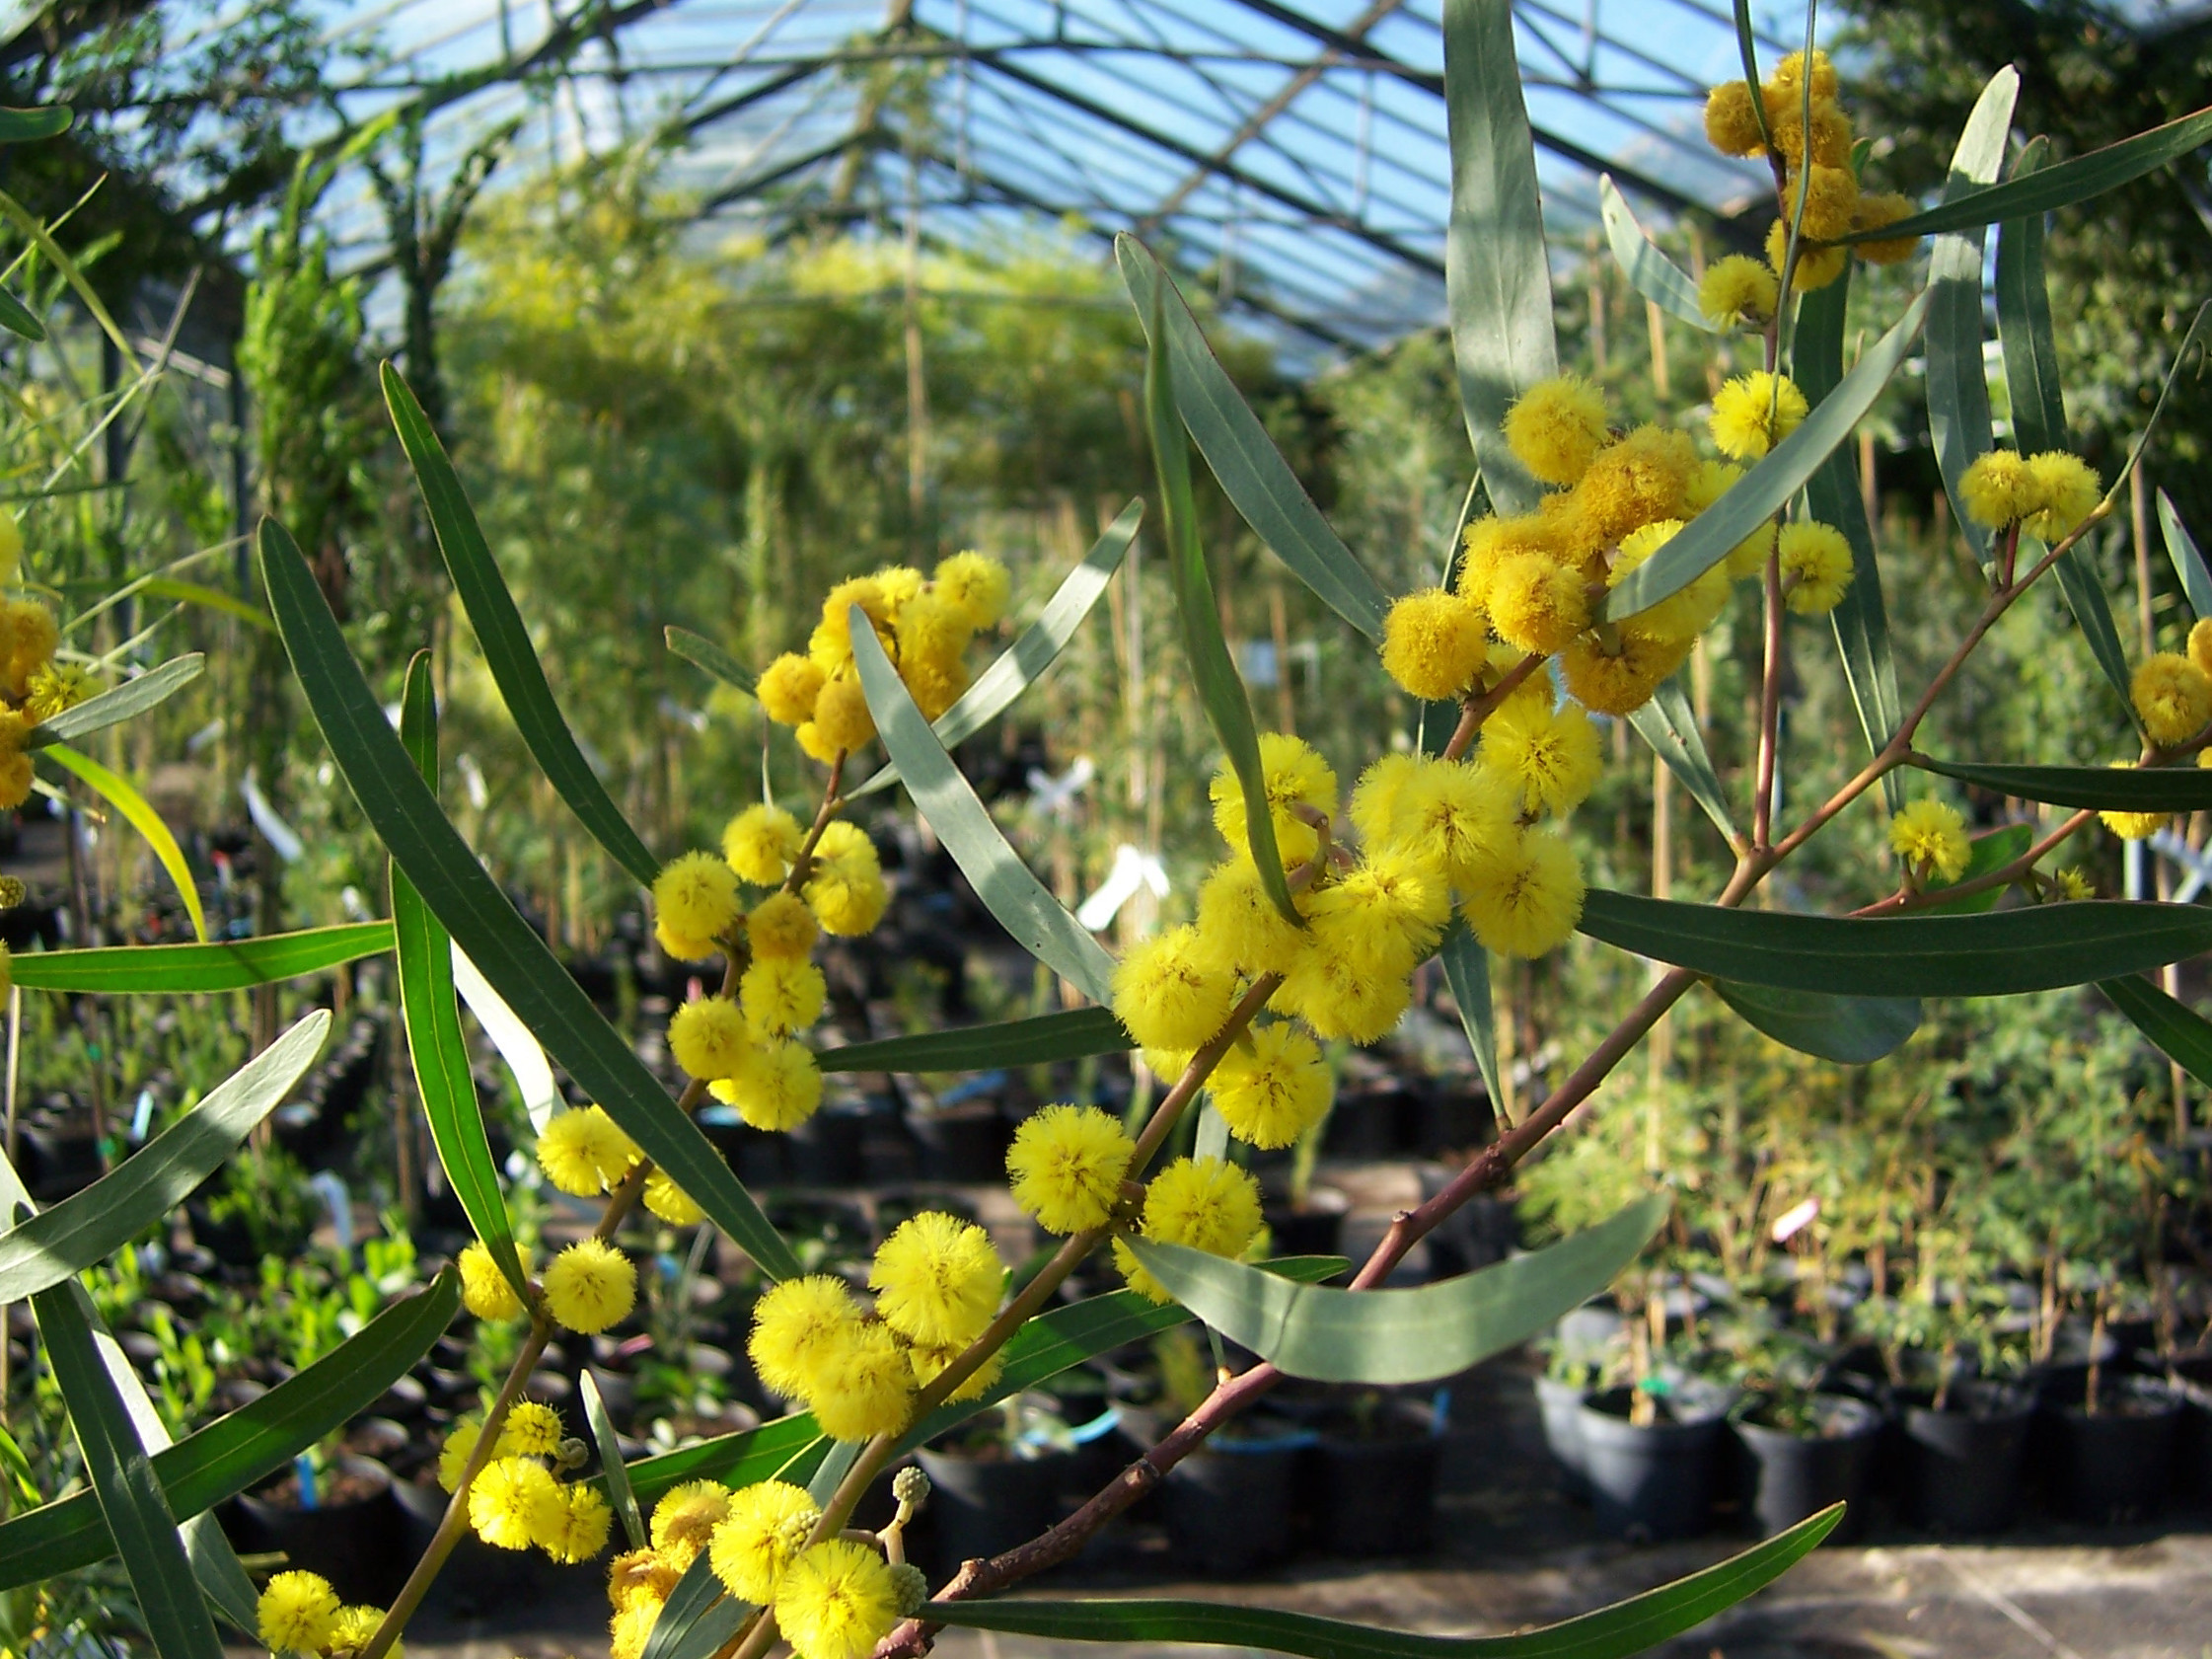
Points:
x=924, y=625
x=1821, y=187
x=517, y=1501
x=2048, y=494
x=299, y=1612
x=938, y=1282
x=1931, y=838
x=32, y=686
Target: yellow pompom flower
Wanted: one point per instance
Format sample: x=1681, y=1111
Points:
x=780, y=996
x=579, y=1532
x=459, y=1443
x=845, y=887
x=2134, y=826
x=695, y=896
x=831, y=643
x=2074, y=885
x=1556, y=427
x=590, y=1286
x=1830, y=138
x=512, y=1502
x=841, y=717
x=355, y=1626
x=780, y=929
x=1529, y=903
x=708, y=1037
x=815, y=746
x=1491, y=542
x=1876, y=210
x=1731, y=121
x=1395, y=902
x=756, y=1542
x=1239, y=930
x=1817, y=566
x=54, y=689
x=1537, y=603
x=1690, y=609
x=1548, y=756
x=33, y=635
x=931, y=628
x=685, y=1519
x=1831, y=197
x=532, y=1429
x=1293, y=774
x=1066, y=1164
x=899, y=584
x=640, y=1575
x=1641, y=478
x=778, y=1086
x=1817, y=266
x=1203, y=1203
x=864, y=1386
x=760, y=842
x=1738, y=291
x=671, y=1203
x=2173, y=698
x=297, y=1614
x=1349, y=983
x=583, y=1153
x=1931, y=838
x=1619, y=681
x=1789, y=74
x=931, y=1363
x=935, y=684
x=1434, y=642
x=796, y=1327
x=485, y=1289
x=937, y=1280
x=1454, y=814
x=632, y=1627
x=977, y=585
x=1275, y=1091
x=2201, y=643
x=836, y=1601
x=1375, y=799
x=1164, y=995
x=1753, y=412
x=2066, y=493
x=1997, y=489
x=789, y=687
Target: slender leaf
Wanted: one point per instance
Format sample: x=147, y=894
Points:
x=507, y=651
x=2071, y=181
x=18, y=318
x=1467, y=971
x=461, y=894
x=1038, y=1041
x=1913, y=955
x=1850, y=1030
x=2188, y=558
x=1986, y=855
x=523, y=1054
x=237, y=1450
x=1761, y=493
x=31, y=228
x=1612, y=1632
x=701, y=652
x=25, y=126
x=1861, y=620
x=1402, y=1335
x=207, y=598
x=1015, y=669
x=612, y=1471
x=2023, y=325
x=225, y=965
x=2093, y=610
x=91, y=1225
x=2175, y=1030
x=735, y=1460
x=2113, y=788
x=1649, y=270
x=431, y=1013
x=121, y=703
x=1497, y=274
x=836, y=1465
x=1220, y=690
x=1957, y=384
x=145, y=819
x=698, y=1617
x=1667, y=723
x=1038, y=921
x=123, y=1482
x=1253, y=474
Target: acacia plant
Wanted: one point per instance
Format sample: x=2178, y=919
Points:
x=1581, y=589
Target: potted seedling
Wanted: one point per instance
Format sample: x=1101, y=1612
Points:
x=1647, y=1447
x=1376, y=1474
x=996, y=1481
x=1230, y=1509
x=1809, y=1449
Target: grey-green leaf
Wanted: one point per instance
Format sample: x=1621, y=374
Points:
x=2023, y=325
x=1402, y=1335
x=612, y=1470
x=2175, y=1030
x=91, y=1225
x=1850, y=1030
x=2188, y=558
x=1497, y=271
x=698, y=1617
x=224, y=965
x=1253, y=474
x=1466, y=967
x=18, y=318
x=2115, y=788
x=1038, y=921
x=1015, y=669
x=1649, y=270
x=1070, y=1036
x=2008, y=952
x=124, y=702
x=1613, y=1632
x=701, y=652
x=1761, y=493
x=1669, y=725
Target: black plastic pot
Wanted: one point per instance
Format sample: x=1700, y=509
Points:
x=1801, y=1474
x=355, y=1542
x=1650, y=1482
x=1560, y=1408
x=1229, y=1506
x=2117, y=1465
x=983, y=1506
x=477, y=1578
x=1964, y=1463
x=964, y=1145
x=825, y=1150
x=1376, y=1492
x=1315, y=1228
